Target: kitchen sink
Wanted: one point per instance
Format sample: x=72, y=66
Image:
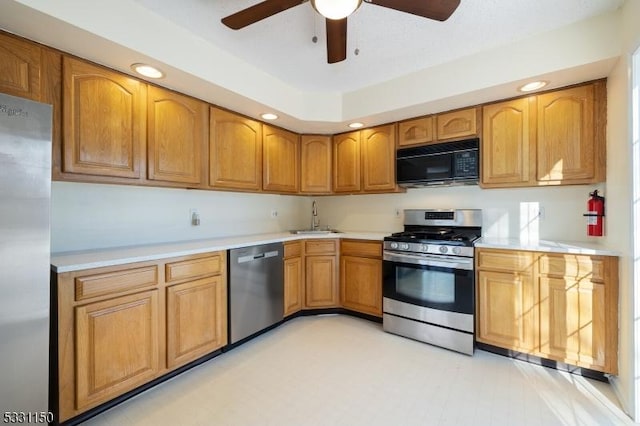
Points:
x=315, y=231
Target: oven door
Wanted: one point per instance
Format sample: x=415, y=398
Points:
x=444, y=283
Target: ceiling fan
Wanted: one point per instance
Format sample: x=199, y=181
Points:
x=336, y=12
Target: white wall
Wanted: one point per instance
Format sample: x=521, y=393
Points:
x=506, y=212
x=88, y=216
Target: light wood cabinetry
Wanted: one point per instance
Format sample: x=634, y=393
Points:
x=365, y=160
x=346, y=162
x=557, y=306
x=458, y=124
x=196, y=307
x=19, y=67
x=321, y=273
x=570, y=139
x=235, y=151
x=578, y=310
x=361, y=276
x=555, y=138
x=281, y=159
x=104, y=121
x=120, y=327
x=506, y=298
x=293, y=277
x=177, y=137
x=418, y=131
x=508, y=143
x=315, y=164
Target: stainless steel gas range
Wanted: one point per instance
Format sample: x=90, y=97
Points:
x=428, y=278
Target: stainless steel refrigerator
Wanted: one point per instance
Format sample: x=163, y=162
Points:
x=25, y=192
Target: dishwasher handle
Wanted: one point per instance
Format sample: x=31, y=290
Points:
x=259, y=256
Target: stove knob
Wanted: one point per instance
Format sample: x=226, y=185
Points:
x=457, y=250
x=424, y=247
x=443, y=249
x=404, y=246
x=394, y=245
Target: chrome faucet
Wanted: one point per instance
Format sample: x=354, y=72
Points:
x=314, y=216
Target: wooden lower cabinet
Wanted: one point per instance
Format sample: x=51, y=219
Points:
x=361, y=276
x=120, y=327
x=321, y=274
x=196, y=319
x=561, y=307
x=293, y=278
x=117, y=346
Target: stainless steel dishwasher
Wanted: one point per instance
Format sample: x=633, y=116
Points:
x=256, y=289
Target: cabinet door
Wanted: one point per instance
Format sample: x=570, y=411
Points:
x=572, y=322
x=235, y=151
x=280, y=153
x=315, y=164
x=378, y=147
x=505, y=310
x=104, y=116
x=117, y=346
x=566, y=136
x=361, y=284
x=346, y=162
x=457, y=124
x=19, y=68
x=293, y=285
x=507, y=143
x=320, y=276
x=178, y=129
x=415, y=132
x=196, y=319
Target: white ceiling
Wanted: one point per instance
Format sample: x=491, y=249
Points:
x=407, y=66
x=390, y=43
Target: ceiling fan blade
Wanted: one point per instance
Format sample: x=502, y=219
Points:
x=336, y=40
x=258, y=12
x=440, y=10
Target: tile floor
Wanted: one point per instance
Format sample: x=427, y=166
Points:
x=340, y=370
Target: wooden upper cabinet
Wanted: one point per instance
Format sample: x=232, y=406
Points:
x=457, y=124
x=378, y=146
x=568, y=151
x=19, y=67
x=417, y=131
x=280, y=154
x=315, y=164
x=235, y=151
x=508, y=137
x=346, y=162
x=178, y=129
x=104, y=121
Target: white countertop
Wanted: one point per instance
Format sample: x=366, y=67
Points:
x=569, y=247
x=87, y=259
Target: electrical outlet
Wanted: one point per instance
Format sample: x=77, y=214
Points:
x=194, y=217
x=541, y=213
x=398, y=213
x=274, y=213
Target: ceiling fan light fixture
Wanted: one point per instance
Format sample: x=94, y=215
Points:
x=534, y=85
x=335, y=9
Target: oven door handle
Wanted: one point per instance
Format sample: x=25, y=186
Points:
x=428, y=260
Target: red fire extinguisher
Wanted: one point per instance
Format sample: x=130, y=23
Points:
x=595, y=214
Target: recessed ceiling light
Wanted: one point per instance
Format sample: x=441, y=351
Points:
x=356, y=125
x=534, y=85
x=147, y=70
x=269, y=116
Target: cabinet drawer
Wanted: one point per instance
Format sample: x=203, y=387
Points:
x=361, y=248
x=312, y=247
x=573, y=266
x=503, y=260
x=192, y=268
x=113, y=282
x=292, y=249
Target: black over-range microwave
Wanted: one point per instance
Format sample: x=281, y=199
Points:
x=446, y=163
